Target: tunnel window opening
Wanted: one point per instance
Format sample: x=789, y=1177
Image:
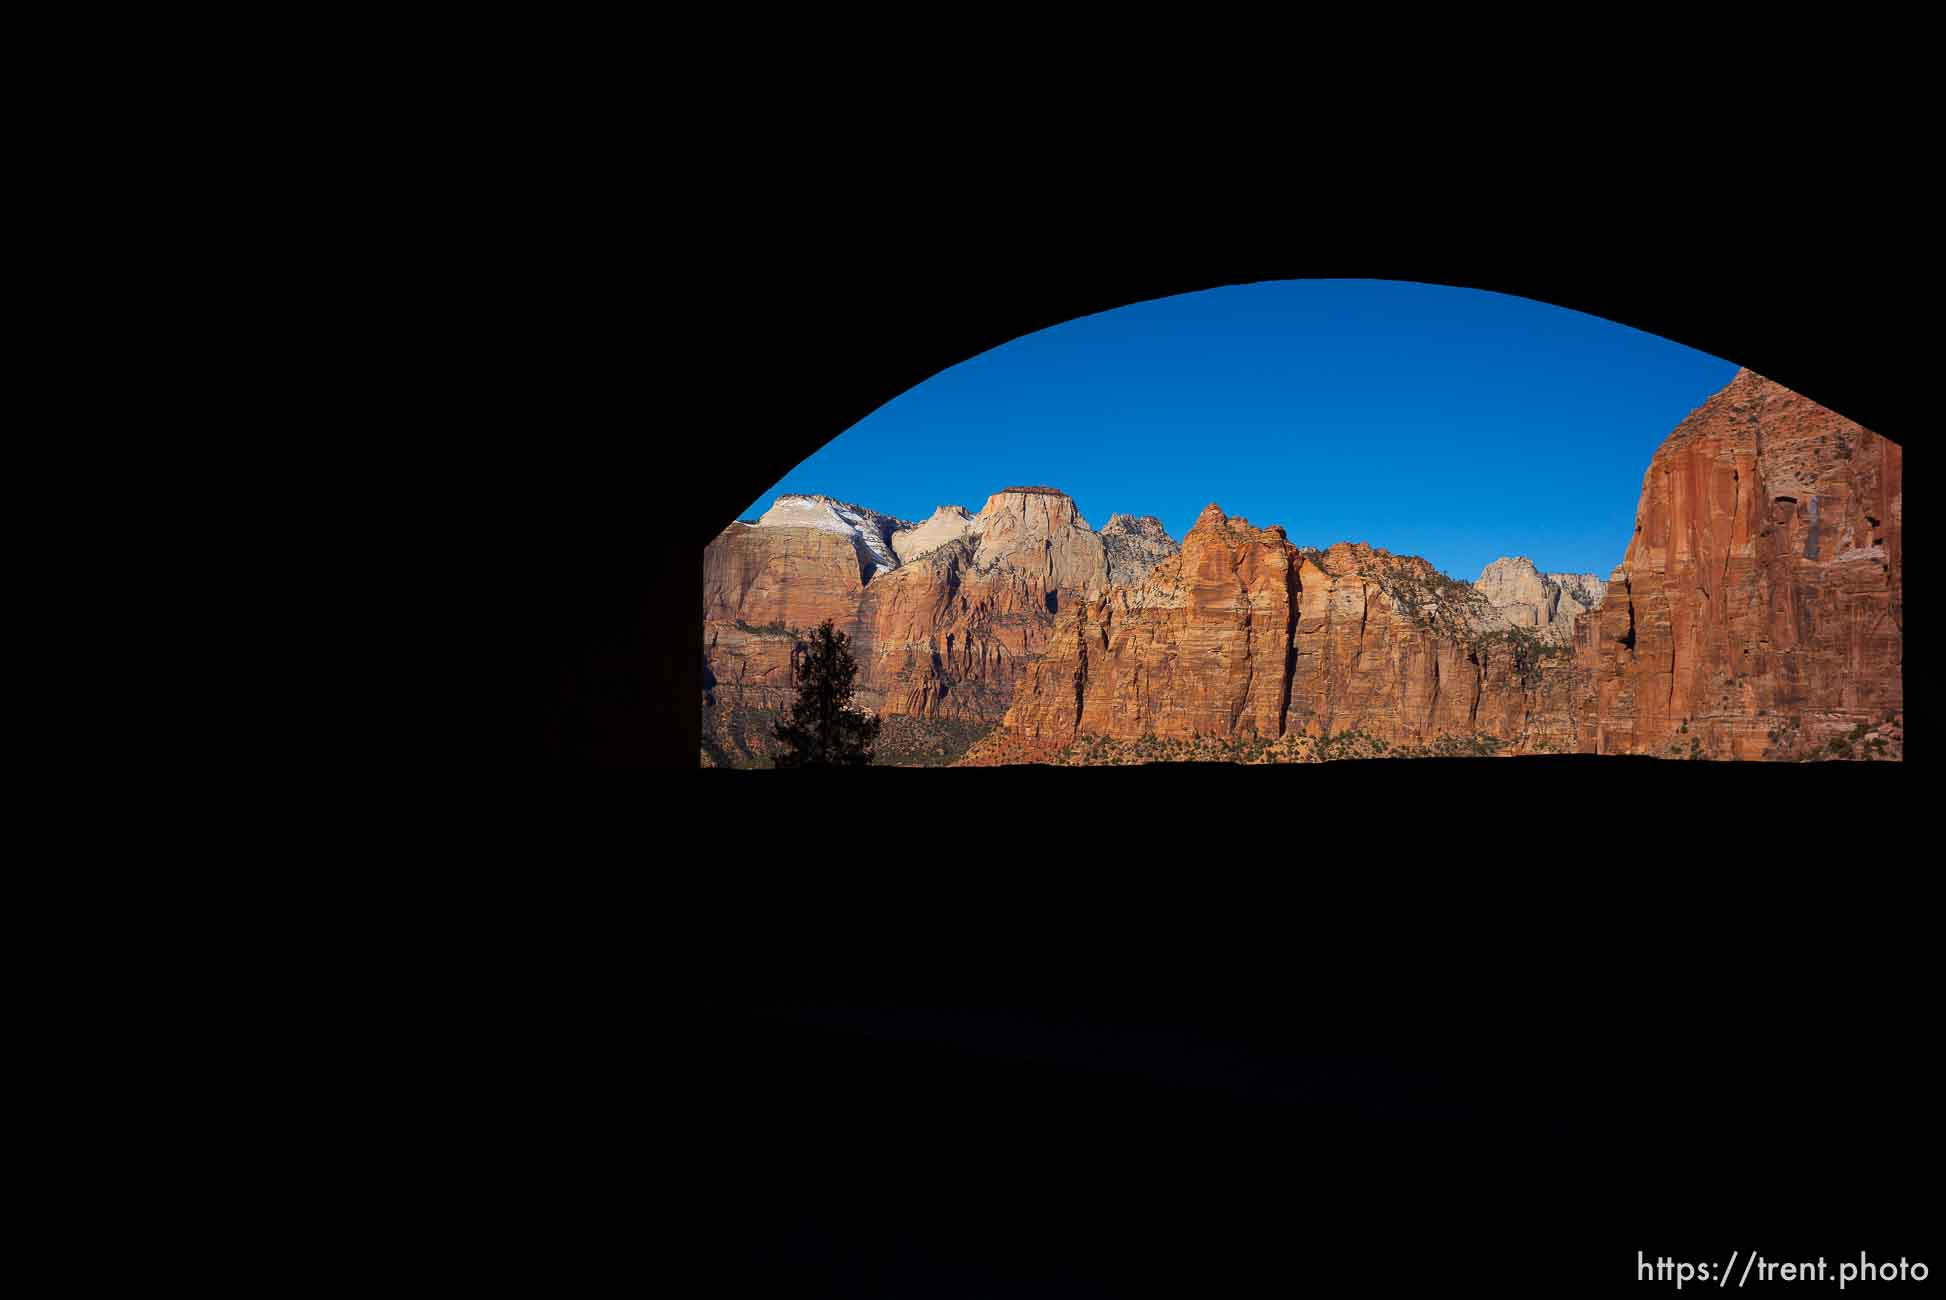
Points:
x=1239, y=505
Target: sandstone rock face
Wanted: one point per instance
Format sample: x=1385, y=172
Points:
x=1586, y=591
x=1200, y=646
x=1038, y=532
x=1761, y=592
x=759, y=581
x=1242, y=634
x=1389, y=646
x=1547, y=602
x=947, y=637
x=1135, y=546
x=1757, y=613
x=870, y=532
x=947, y=524
x=942, y=615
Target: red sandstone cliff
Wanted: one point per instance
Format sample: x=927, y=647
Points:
x=1756, y=614
x=760, y=581
x=1201, y=645
x=943, y=615
x=1390, y=646
x=1758, y=611
x=1242, y=634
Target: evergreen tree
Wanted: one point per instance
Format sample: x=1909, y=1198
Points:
x=823, y=729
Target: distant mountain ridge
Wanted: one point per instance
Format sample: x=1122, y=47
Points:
x=943, y=615
x=1135, y=546
x=1546, y=602
x=1757, y=613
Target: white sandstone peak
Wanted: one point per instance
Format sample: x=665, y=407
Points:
x=870, y=532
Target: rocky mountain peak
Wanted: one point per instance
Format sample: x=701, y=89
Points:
x=1043, y=503
x=1508, y=568
x=945, y=524
x=869, y=531
x=1547, y=602
x=1342, y=558
x=1231, y=528
x=1039, y=531
x=1137, y=526
x=1135, y=545
x=1212, y=517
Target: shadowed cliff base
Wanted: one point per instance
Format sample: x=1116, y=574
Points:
x=737, y=735
x=1882, y=741
x=1704, y=817
x=1633, y=769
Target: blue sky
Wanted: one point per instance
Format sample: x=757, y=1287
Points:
x=1450, y=423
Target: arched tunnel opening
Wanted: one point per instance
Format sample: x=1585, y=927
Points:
x=1399, y=442
x=616, y=695
x=1589, y=1081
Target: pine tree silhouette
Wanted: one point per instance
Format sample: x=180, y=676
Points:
x=823, y=729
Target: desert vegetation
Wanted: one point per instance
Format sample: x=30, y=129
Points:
x=1248, y=750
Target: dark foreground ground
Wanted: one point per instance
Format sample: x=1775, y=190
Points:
x=1231, y=1143
x=1357, y=1028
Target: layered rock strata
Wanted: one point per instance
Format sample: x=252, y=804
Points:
x=1757, y=613
x=1759, y=608
x=1039, y=533
x=943, y=615
x=1547, y=602
x=1244, y=634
